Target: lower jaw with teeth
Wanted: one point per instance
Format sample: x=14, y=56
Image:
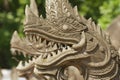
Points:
x=24, y=65
x=28, y=61
x=49, y=59
x=46, y=60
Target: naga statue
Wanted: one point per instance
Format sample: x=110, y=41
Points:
x=64, y=46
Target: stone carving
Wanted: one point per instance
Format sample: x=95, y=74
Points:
x=14, y=74
x=22, y=46
x=114, y=31
x=64, y=45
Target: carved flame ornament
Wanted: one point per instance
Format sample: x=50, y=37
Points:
x=64, y=46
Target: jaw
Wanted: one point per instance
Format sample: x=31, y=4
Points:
x=60, y=60
x=53, y=51
x=25, y=66
x=53, y=35
x=21, y=49
x=45, y=52
x=27, y=63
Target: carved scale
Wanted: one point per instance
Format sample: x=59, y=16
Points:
x=64, y=46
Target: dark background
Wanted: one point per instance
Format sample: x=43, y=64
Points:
x=12, y=17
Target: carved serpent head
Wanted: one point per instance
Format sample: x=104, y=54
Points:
x=52, y=41
x=57, y=37
x=61, y=39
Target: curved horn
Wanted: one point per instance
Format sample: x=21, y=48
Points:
x=81, y=43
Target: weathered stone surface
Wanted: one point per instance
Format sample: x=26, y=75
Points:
x=64, y=45
x=114, y=32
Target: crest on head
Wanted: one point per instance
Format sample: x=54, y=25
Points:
x=60, y=16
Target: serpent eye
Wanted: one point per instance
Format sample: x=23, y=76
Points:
x=65, y=27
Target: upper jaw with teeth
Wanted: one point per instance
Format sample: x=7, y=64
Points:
x=46, y=52
x=51, y=52
x=48, y=48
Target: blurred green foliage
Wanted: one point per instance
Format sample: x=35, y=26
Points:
x=12, y=17
x=109, y=10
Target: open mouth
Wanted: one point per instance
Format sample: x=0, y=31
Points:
x=44, y=51
x=45, y=47
x=26, y=62
x=50, y=52
x=22, y=53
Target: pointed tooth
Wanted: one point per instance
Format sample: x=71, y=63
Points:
x=53, y=53
x=45, y=55
x=24, y=55
x=49, y=56
x=27, y=63
x=34, y=38
x=30, y=61
x=41, y=16
x=55, y=46
x=37, y=37
x=59, y=51
x=50, y=43
x=63, y=49
x=33, y=59
x=44, y=42
x=35, y=69
x=20, y=65
x=40, y=56
x=68, y=47
x=40, y=40
x=59, y=45
x=13, y=51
